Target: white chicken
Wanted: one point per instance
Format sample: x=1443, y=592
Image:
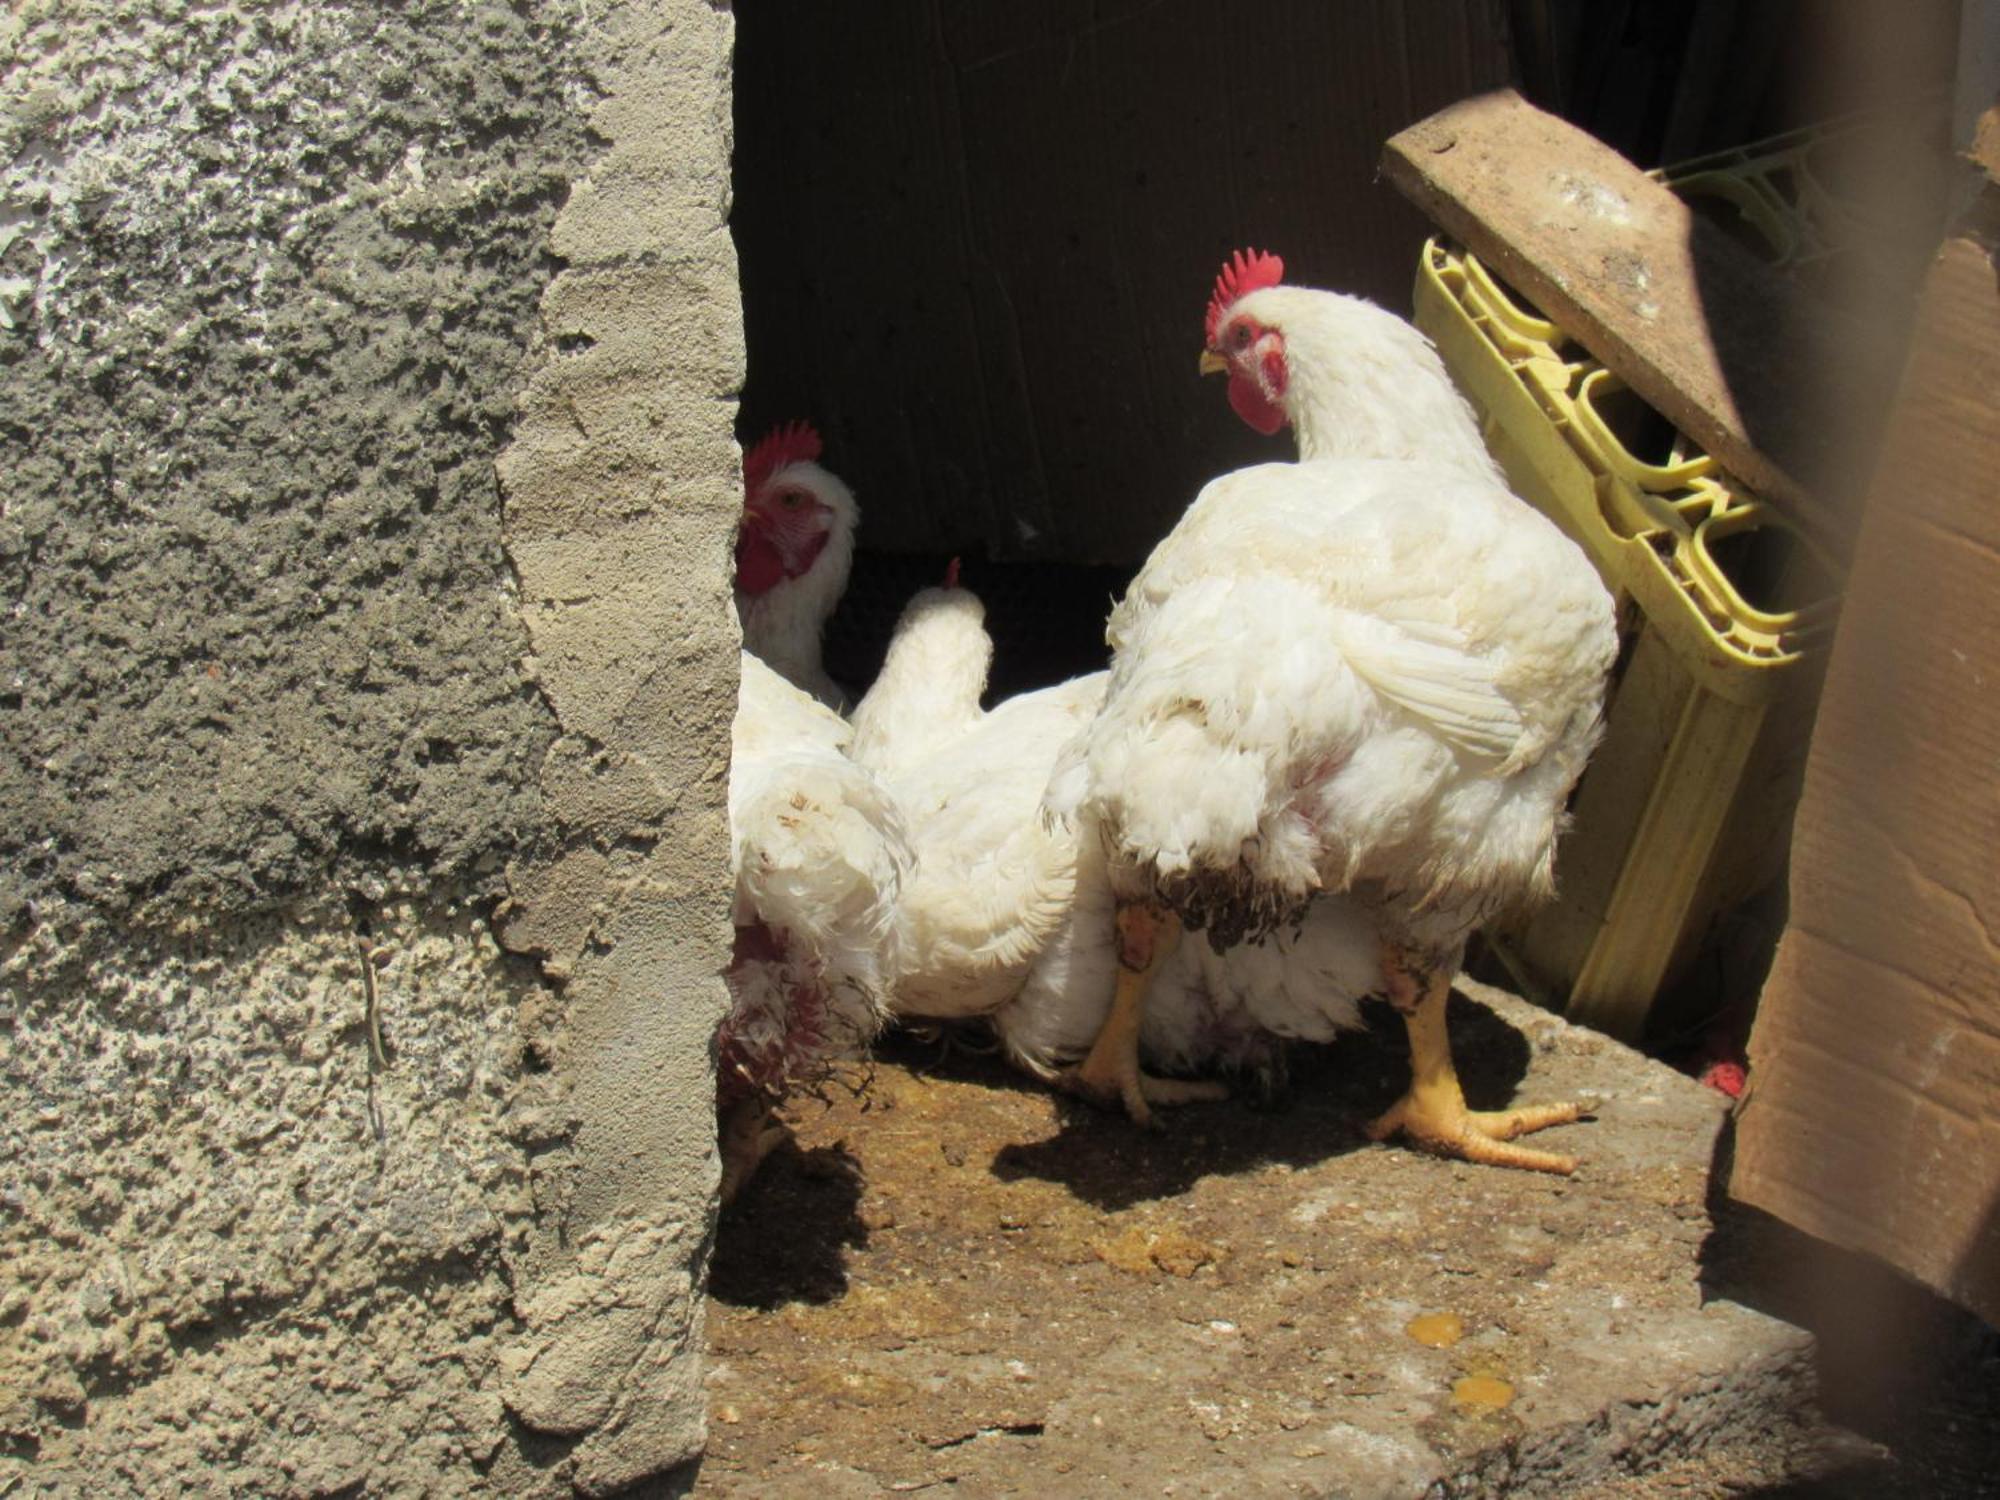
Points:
x=1008, y=917
x=926, y=696
x=993, y=880
x=817, y=848
x=793, y=551
x=1374, y=672
x=821, y=862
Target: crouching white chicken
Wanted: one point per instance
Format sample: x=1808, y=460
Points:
x=1008, y=917
x=794, y=548
x=1373, y=673
x=821, y=861
x=993, y=879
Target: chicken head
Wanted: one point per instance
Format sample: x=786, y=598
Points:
x=1249, y=351
x=791, y=509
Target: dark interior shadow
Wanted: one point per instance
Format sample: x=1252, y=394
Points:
x=1331, y=1093
x=1810, y=352
x=785, y=1237
x=1046, y=619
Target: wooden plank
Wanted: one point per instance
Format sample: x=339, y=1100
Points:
x=1735, y=355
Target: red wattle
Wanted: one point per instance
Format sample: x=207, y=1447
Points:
x=759, y=567
x=1248, y=403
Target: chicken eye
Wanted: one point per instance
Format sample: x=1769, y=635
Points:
x=1243, y=335
x=791, y=499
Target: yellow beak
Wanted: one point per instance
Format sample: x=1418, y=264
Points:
x=1213, y=363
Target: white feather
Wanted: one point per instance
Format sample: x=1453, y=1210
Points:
x=927, y=693
x=992, y=882
x=1374, y=670
x=1351, y=670
x=1009, y=913
x=821, y=860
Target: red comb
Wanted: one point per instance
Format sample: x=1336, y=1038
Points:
x=795, y=442
x=1245, y=271
x=951, y=574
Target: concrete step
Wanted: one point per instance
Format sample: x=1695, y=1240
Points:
x=959, y=1278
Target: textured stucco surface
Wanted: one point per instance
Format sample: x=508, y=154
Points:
x=272, y=272
x=289, y=698
x=238, y=1256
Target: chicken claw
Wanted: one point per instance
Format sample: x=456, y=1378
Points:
x=1448, y=1128
x=1432, y=1113
x=750, y=1132
x=1137, y=1089
x=1147, y=937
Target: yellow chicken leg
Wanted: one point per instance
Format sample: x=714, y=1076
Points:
x=1433, y=1112
x=750, y=1132
x=1147, y=937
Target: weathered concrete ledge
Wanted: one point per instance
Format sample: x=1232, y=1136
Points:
x=962, y=1279
x=622, y=495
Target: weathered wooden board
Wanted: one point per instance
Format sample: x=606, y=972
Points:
x=1742, y=360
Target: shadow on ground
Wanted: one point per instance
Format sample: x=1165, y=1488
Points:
x=787, y=1236
x=1914, y=1379
x=1328, y=1096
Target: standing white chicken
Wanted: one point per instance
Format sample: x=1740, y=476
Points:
x=821, y=862
x=1374, y=671
x=793, y=552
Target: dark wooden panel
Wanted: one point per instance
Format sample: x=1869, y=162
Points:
x=977, y=237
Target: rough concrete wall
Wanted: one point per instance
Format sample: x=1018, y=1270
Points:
x=237, y=1256
x=622, y=499
x=305, y=1179
x=272, y=272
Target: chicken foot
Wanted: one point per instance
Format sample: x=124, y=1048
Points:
x=750, y=1132
x=1433, y=1113
x=1147, y=937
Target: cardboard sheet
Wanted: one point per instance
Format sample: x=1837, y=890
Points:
x=1873, y=1117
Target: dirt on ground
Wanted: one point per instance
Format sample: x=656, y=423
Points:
x=955, y=1277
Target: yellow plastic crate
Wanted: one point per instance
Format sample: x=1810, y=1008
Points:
x=1724, y=610
x=1769, y=195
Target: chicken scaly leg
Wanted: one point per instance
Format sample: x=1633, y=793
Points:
x=1433, y=1112
x=750, y=1131
x=1147, y=937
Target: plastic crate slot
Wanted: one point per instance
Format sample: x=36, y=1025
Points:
x=1701, y=499
x=1736, y=207
x=1785, y=180
x=1773, y=574
x=1508, y=306
x=1636, y=438
x=1626, y=512
x=1710, y=603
